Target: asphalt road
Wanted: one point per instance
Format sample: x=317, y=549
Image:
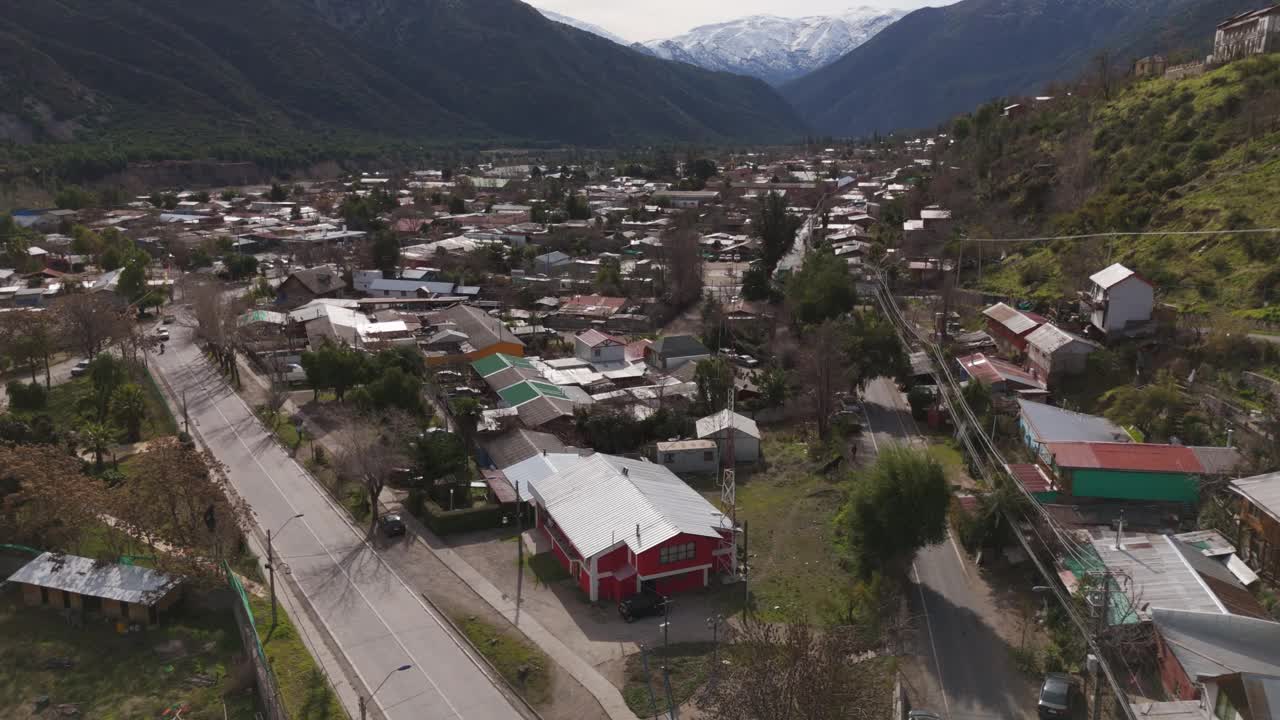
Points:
x=969, y=670
x=372, y=616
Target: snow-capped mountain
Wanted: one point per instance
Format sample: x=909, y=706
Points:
x=582, y=25
x=774, y=49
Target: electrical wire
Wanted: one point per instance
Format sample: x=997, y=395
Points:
x=1145, y=233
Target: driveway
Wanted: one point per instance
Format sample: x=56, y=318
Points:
x=965, y=631
x=594, y=631
x=377, y=622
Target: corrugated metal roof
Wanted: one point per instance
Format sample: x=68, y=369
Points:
x=1218, y=460
x=594, y=338
x=540, y=466
x=990, y=370
x=1014, y=321
x=519, y=444
x=1161, y=576
x=606, y=499
x=497, y=362
x=84, y=576
x=1212, y=644
x=679, y=445
x=1111, y=276
x=715, y=423
x=1137, y=457
x=542, y=410
x=1051, y=424
x=1032, y=477
x=1261, y=490
x=1050, y=338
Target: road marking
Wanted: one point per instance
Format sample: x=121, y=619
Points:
x=964, y=566
x=946, y=706
x=336, y=564
x=867, y=416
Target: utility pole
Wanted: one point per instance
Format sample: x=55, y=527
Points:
x=648, y=680
x=271, y=565
x=1100, y=629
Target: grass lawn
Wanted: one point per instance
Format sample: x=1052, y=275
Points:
x=951, y=460
x=72, y=403
x=303, y=687
x=115, y=677
x=689, y=665
x=788, y=509
x=523, y=665
x=285, y=431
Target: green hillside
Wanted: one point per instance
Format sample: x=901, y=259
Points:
x=88, y=84
x=1192, y=155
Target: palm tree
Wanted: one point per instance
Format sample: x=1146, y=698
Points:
x=129, y=409
x=97, y=438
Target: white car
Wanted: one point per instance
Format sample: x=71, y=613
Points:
x=293, y=373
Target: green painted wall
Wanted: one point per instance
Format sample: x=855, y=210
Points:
x=1122, y=485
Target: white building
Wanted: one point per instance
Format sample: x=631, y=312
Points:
x=1119, y=301
x=746, y=434
x=594, y=346
x=689, y=456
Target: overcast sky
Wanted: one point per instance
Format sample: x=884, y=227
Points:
x=639, y=20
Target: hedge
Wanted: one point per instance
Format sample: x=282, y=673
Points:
x=446, y=522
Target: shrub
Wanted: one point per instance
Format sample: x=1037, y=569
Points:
x=445, y=522
x=26, y=397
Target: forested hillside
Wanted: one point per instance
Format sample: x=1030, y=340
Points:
x=138, y=79
x=1158, y=155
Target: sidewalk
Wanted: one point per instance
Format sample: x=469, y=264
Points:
x=605, y=693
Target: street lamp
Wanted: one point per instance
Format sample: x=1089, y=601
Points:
x=364, y=700
x=271, y=565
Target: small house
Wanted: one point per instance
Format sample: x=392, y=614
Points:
x=1009, y=328
x=1201, y=655
x=672, y=351
x=1054, y=353
x=1136, y=471
x=1043, y=424
x=688, y=456
x=596, y=347
x=69, y=582
x=1119, y=301
x=1259, y=512
x=304, y=286
x=724, y=424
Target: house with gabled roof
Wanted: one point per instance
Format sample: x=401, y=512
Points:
x=1119, y=301
x=1258, y=503
x=595, y=346
x=1053, y=352
x=1009, y=328
x=746, y=434
x=619, y=526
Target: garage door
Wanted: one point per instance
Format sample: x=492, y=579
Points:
x=678, y=583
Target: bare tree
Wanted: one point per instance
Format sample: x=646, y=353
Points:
x=824, y=368
x=91, y=321
x=682, y=266
x=372, y=447
x=793, y=672
x=216, y=313
x=30, y=336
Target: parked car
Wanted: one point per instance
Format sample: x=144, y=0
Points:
x=80, y=368
x=167, y=319
x=645, y=604
x=392, y=525
x=463, y=391
x=1055, y=697
x=294, y=373
x=162, y=334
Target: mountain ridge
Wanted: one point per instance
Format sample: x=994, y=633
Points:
x=936, y=62
x=773, y=48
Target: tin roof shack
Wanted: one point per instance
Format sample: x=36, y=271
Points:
x=1009, y=328
x=129, y=593
x=688, y=456
x=1136, y=471
x=1259, y=508
x=1055, y=353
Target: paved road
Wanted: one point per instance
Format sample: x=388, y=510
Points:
x=59, y=373
x=373, y=617
x=970, y=675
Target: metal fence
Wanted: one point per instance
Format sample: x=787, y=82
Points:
x=264, y=678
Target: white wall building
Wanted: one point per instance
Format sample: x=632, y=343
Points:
x=1120, y=300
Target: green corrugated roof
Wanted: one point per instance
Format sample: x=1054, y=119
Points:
x=498, y=362
x=549, y=390
x=518, y=394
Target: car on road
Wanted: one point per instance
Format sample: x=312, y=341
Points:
x=923, y=715
x=162, y=335
x=392, y=525
x=81, y=368
x=1055, y=697
x=294, y=373
x=645, y=604
x=167, y=320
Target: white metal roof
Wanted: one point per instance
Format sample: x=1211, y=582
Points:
x=1050, y=338
x=538, y=467
x=1111, y=276
x=605, y=499
x=1261, y=490
x=85, y=576
x=715, y=423
x=1015, y=321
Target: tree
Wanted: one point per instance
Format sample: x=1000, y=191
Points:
x=777, y=230
x=97, y=438
x=45, y=499
x=822, y=289
x=682, y=266
x=334, y=366
x=30, y=337
x=457, y=205
x=466, y=414
x=74, y=197
x=1160, y=410
x=90, y=321
x=790, y=671
x=176, y=501
x=896, y=507
x=825, y=369
x=385, y=252
x=277, y=193
x=132, y=284
x=129, y=409
x=372, y=451
x=609, y=277
x=577, y=207
x=15, y=240
x=774, y=387
x=700, y=171
x=240, y=266
x=394, y=388
x=25, y=397
x=756, y=285
x=107, y=373
x=714, y=377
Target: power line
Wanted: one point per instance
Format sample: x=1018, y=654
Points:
x=1149, y=233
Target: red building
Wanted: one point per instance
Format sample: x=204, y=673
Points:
x=619, y=525
x=1010, y=327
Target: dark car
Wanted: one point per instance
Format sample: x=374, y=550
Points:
x=1055, y=697
x=392, y=525
x=643, y=605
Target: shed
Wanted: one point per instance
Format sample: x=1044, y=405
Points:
x=127, y=592
x=689, y=456
x=746, y=434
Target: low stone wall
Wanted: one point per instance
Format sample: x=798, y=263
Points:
x=1179, y=72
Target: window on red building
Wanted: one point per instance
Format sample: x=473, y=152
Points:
x=676, y=553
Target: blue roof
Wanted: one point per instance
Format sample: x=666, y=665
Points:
x=1051, y=424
